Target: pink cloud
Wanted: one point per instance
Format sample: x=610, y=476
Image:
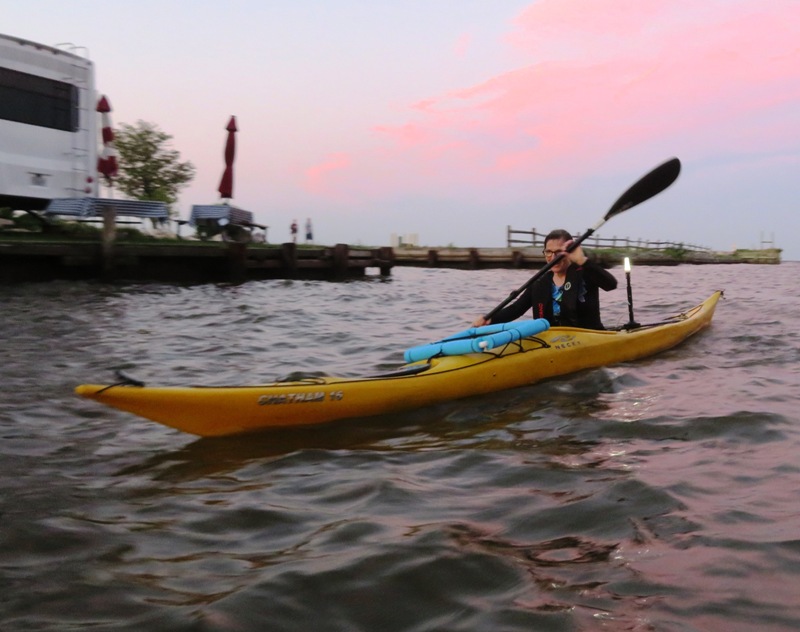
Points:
x=407, y=134
x=316, y=176
x=424, y=105
x=570, y=26
x=601, y=81
x=462, y=45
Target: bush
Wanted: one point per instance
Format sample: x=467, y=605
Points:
x=677, y=252
x=21, y=220
x=77, y=229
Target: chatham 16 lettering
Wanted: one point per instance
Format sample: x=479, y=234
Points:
x=300, y=398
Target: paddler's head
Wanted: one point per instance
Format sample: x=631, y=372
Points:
x=555, y=243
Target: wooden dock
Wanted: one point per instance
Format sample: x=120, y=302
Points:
x=213, y=262
x=190, y=262
x=532, y=257
x=469, y=258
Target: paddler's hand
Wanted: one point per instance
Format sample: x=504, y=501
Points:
x=577, y=256
x=480, y=321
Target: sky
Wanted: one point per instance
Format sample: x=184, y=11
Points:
x=453, y=119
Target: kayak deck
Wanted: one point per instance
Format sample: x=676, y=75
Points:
x=226, y=410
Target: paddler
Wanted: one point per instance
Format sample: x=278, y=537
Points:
x=567, y=294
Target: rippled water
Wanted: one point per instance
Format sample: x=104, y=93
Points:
x=656, y=495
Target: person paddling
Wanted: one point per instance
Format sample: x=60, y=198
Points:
x=567, y=294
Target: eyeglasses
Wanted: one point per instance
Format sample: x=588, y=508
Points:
x=552, y=253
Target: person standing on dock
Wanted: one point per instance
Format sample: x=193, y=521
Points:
x=567, y=294
x=293, y=229
x=309, y=231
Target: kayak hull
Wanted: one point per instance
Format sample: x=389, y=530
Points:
x=227, y=410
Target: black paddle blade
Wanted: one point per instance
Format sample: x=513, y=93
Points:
x=648, y=185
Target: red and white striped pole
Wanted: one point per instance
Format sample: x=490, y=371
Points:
x=107, y=162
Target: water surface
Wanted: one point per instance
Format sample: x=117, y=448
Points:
x=655, y=495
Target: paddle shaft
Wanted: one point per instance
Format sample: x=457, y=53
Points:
x=643, y=189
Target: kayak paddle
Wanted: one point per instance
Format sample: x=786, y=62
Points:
x=648, y=186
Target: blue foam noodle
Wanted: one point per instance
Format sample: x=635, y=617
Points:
x=460, y=346
x=474, y=332
x=454, y=347
x=521, y=329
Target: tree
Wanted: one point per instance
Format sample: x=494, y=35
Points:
x=148, y=168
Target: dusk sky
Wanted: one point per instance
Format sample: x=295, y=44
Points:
x=451, y=119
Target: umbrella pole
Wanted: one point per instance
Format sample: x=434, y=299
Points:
x=109, y=237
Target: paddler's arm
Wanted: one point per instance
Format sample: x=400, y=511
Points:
x=510, y=312
x=592, y=272
x=598, y=275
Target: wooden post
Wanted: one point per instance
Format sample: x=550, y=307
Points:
x=386, y=257
x=341, y=256
x=474, y=259
x=289, y=259
x=433, y=259
x=237, y=254
x=108, y=239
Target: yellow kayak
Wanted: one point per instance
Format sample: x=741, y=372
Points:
x=226, y=410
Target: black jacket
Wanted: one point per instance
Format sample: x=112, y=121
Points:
x=580, y=302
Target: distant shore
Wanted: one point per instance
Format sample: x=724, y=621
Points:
x=531, y=257
x=31, y=257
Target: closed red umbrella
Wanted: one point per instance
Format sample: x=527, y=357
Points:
x=226, y=184
x=107, y=162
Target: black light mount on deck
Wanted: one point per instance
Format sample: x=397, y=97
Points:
x=631, y=324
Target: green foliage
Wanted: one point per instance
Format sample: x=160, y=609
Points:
x=23, y=221
x=616, y=254
x=676, y=252
x=149, y=168
x=761, y=255
x=133, y=234
x=28, y=222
